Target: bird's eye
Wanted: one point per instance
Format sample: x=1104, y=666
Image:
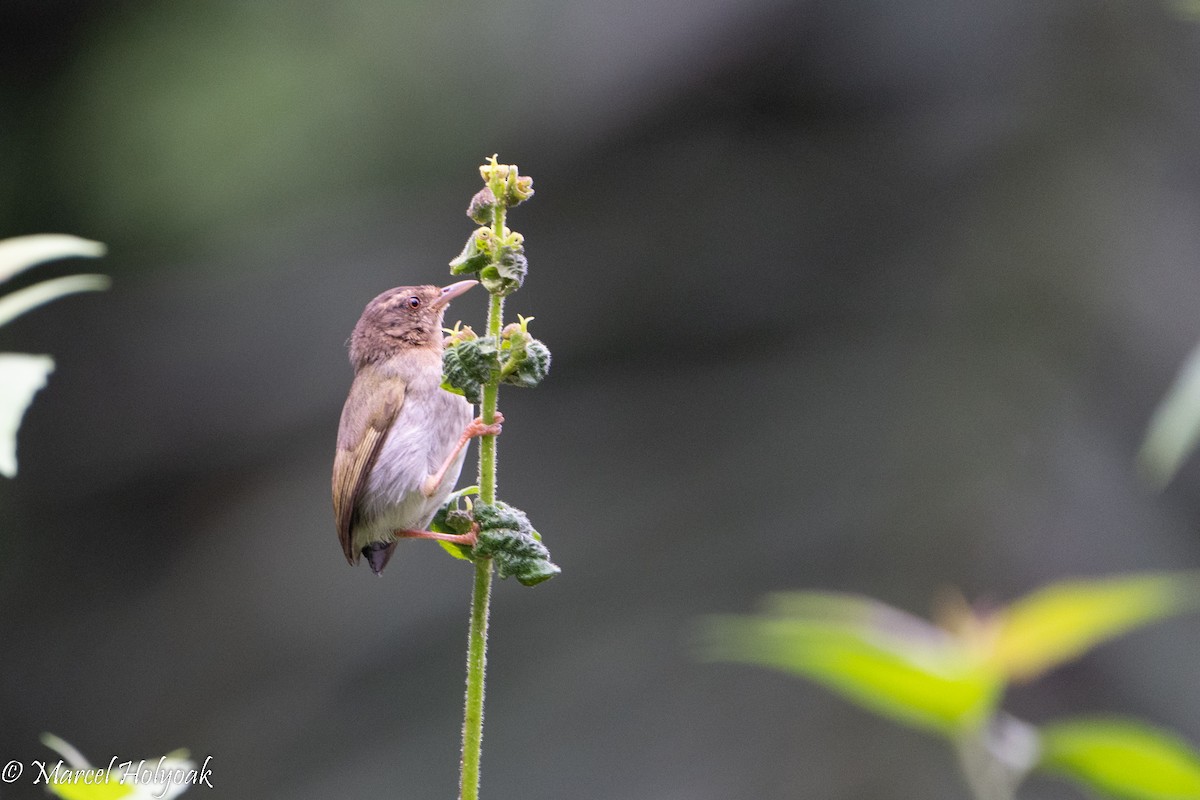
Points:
x=414, y=302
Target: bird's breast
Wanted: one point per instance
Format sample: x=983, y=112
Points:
x=426, y=429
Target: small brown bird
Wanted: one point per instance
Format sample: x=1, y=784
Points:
x=402, y=438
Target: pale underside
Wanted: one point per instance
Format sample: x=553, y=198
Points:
x=403, y=440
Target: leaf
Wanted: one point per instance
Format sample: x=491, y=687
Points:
x=20, y=378
x=475, y=253
x=506, y=272
x=1122, y=758
x=469, y=364
x=507, y=537
x=106, y=787
x=453, y=518
x=22, y=252
x=17, y=303
x=528, y=365
x=1064, y=620
x=141, y=779
x=887, y=661
x=1174, y=428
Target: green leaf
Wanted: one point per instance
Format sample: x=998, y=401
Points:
x=887, y=661
x=528, y=364
x=506, y=273
x=1064, y=620
x=22, y=252
x=61, y=782
x=451, y=518
x=108, y=788
x=1122, y=758
x=507, y=537
x=467, y=365
x=475, y=253
x=1174, y=428
x=73, y=778
x=456, y=550
x=20, y=378
x=17, y=303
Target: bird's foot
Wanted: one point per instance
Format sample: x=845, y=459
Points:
x=477, y=427
x=466, y=539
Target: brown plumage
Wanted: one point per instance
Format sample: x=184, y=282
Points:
x=401, y=440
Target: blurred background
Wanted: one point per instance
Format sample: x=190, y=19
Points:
x=871, y=296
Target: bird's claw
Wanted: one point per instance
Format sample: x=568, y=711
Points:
x=477, y=427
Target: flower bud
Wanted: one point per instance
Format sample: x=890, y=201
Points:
x=492, y=172
x=482, y=205
x=475, y=254
x=459, y=333
x=517, y=188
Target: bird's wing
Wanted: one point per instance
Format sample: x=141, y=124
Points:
x=366, y=420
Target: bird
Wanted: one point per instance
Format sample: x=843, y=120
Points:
x=402, y=437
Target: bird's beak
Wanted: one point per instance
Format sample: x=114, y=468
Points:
x=452, y=291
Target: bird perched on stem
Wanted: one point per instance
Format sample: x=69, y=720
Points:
x=402, y=438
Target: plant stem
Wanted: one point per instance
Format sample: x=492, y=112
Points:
x=468, y=787
x=487, y=444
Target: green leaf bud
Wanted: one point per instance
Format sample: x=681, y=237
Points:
x=476, y=253
x=526, y=360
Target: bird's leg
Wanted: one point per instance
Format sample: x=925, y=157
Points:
x=467, y=539
x=474, y=428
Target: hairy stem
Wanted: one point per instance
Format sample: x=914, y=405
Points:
x=468, y=787
x=487, y=444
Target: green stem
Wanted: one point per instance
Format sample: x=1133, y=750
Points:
x=499, y=211
x=468, y=787
x=491, y=391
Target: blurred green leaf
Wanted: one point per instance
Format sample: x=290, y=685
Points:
x=1174, y=428
x=20, y=378
x=1121, y=758
x=100, y=786
x=73, y=778
x=879, y=657
x=106, y=790
x=22, y=252
x=1062, y=621
x=17, y=303
x=1189, y=10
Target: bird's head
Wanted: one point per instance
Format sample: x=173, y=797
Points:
x=407, y=317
